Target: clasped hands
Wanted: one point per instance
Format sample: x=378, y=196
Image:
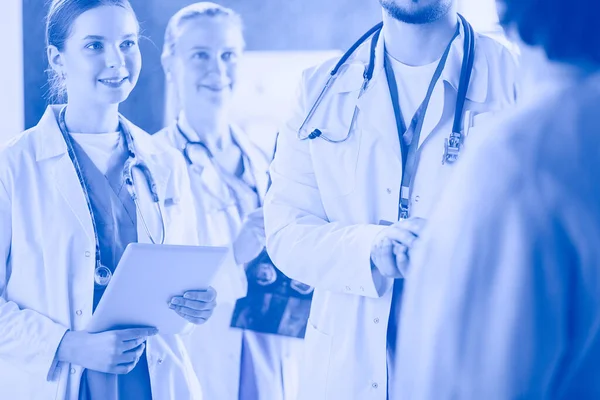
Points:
x=391, y=247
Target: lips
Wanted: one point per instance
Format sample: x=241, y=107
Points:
x=215, y=88
x=113, y=82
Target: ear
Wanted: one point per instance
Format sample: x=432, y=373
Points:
x=55, y=59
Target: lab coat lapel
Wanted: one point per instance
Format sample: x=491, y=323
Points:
x=52, y=149
x=435, y=110
x=68, y=185
x=377, y=115
x=446, y=88
x=376, y=112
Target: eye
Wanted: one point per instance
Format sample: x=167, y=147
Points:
x=94, y=46
x=200, y=55
x=229, y=56
x=128, y=44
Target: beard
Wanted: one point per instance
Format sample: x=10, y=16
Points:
x=416, y=14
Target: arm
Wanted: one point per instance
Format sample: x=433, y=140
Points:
x=28, y=339
x=485, y=305
x=301, y=241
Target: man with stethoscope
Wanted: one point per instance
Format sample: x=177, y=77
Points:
x=359, y=164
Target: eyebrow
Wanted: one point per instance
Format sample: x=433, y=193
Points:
x=97, y=37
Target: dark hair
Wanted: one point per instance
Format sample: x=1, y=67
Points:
x=59, y=22
x=566, y=30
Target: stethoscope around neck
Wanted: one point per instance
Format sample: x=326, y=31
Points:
x=452, y=144
x=102, y=274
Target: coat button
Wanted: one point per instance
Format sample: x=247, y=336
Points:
x=78, y=312
x=72, y=371
x=417, y=198
x=389, y=191
x=87, y=254
x=374, y=385
x=376, y=320
x=160, y=361
x=347, y=288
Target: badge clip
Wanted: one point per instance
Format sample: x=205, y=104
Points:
x=452, y=148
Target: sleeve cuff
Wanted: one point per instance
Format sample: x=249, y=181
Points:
x=373, y=283
x=50, y=353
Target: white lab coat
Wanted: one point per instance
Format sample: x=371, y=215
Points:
x=503, y=298
x=47, y=263
x=326, y=200
x=216, y=351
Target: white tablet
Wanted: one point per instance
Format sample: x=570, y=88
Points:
x=146, y=279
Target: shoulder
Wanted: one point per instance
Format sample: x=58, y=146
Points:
x=499, y=64
x=165, y=137
x=18, y=152
x=497, y=49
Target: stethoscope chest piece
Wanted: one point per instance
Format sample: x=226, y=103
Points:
x=102, y=275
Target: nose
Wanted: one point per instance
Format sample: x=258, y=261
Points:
x=114, y=57
x=217, y=67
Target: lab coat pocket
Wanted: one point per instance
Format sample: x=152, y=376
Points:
x=477, y=123
x=315, y=371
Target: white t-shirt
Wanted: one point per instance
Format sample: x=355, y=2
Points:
x=412, y=83
x=99, y=147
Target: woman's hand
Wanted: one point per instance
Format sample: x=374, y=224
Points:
x=251, y=240
x=196, y=306
x=111, y=352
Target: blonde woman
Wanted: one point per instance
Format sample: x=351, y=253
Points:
x=203, y=44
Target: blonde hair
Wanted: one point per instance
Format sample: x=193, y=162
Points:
x=200, y=9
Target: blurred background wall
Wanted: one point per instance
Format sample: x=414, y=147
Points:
x=11, y=70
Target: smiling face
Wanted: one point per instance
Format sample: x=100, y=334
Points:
x=101, y=60
x=205, y=61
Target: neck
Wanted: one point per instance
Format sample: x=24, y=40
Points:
x=418, y=44
x=85, y=118
x=211, y=128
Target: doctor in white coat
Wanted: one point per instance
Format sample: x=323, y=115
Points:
x=327, y=203
x=229, y=177
x=66, y=216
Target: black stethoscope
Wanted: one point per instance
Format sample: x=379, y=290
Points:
x=103, y=274
x=453, y=143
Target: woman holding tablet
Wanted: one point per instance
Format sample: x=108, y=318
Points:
x=75, y=190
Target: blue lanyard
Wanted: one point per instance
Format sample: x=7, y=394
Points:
x=413, y=132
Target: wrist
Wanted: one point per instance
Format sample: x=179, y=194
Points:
x=65, y=349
